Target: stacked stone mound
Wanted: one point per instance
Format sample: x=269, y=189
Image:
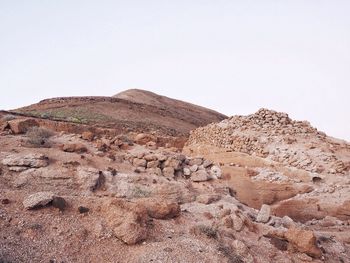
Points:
x=274, y=135
x=175, y=166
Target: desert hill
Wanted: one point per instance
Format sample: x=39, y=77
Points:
x=75, y=187
x=132, y=110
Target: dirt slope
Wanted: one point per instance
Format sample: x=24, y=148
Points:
x=133, y=110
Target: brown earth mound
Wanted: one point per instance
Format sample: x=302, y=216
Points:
x=132, y=110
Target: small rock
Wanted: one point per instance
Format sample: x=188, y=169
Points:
x=150, y=157
x=287, y=222
x=153, y=164
x=200, y=176
x=83, y=209
x=169, y=172
x=74, y=147
x=187, y=171
x=215, y=172
x=139, y=162
x=5, y=201
x=195, y=161
x=152, y=145
x=264, y=214
x=238, y=222
x=194, y=168
x=207, y=198
x=59, y=202
x=207, y=163
x=38, y=199
x=143, y=138
x=87, y=135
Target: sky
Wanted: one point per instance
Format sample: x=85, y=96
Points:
x=232, y=56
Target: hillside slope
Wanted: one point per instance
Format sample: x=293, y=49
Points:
x=133, y=110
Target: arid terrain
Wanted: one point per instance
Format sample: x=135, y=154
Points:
x=140, y=177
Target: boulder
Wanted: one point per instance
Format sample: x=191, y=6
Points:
x=303, y=241
x=90, y=179
x=37, y=200
x=74, y=147
x=33, y=160
x=200, y=176
x=128, y=220
x=88, y=136
x=264, y=214
x=20, y=126
x=161, y=209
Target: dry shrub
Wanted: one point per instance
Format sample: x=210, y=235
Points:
x=209, y=231
x=39, y=137
x=230, y=254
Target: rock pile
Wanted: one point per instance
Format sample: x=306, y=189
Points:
x=175, y=165
x=273, y=135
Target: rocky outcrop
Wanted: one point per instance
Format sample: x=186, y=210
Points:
x=22, y=162
x=20, y=126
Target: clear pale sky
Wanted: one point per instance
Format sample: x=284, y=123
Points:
x=232, y=56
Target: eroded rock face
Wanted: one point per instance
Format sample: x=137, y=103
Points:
x=20, y=126
x=37, y=200
x=36, y=160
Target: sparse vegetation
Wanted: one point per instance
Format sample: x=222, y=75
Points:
x=8, y=117
x=230, y=254
x=39, y=137
x=209, y=231
x=138, y=192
